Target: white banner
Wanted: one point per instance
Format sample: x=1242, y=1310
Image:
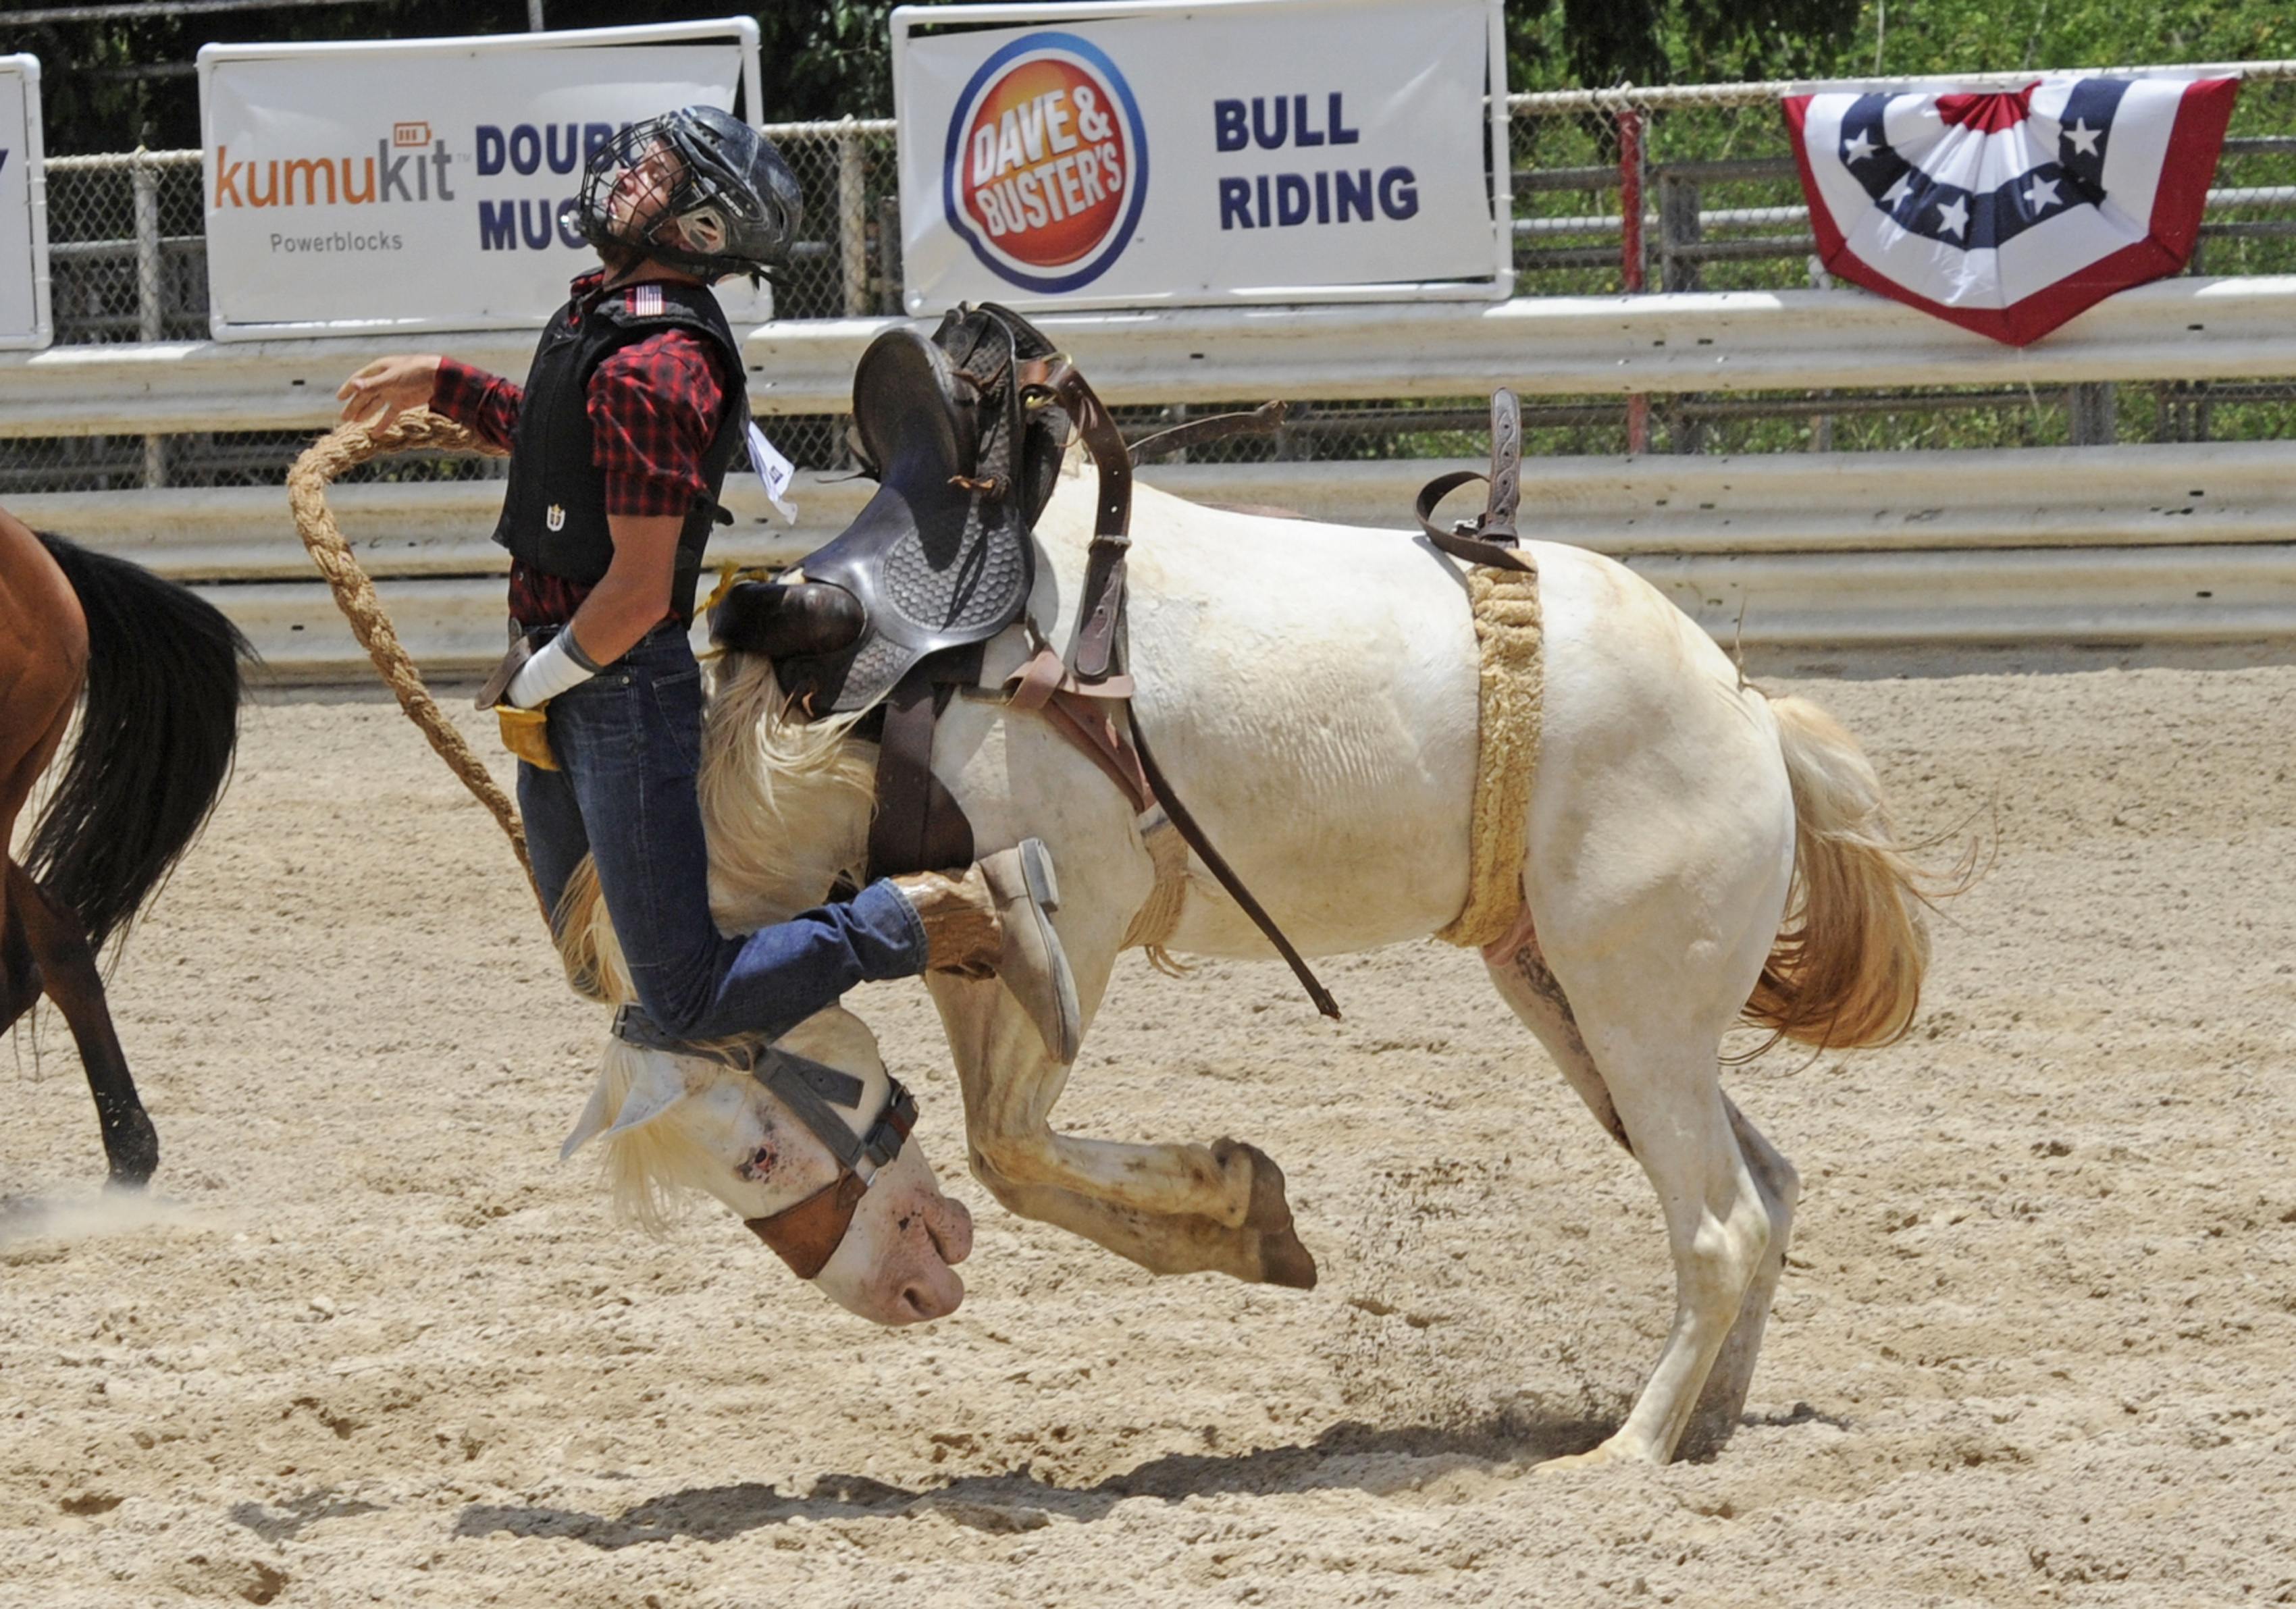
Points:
x=420, y=184
x=23, y=221
x=1163, y=152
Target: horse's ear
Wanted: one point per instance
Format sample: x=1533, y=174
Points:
x=591, y=1124
x=658, y=1086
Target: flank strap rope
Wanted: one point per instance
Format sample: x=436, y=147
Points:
x=1510, y=632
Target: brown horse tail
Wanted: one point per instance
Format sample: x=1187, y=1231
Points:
x=156, y=728
x=1847, y=968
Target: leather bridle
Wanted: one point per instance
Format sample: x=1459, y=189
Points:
x=807, y=1235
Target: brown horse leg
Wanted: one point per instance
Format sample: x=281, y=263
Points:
x=33, y=721
x=20, y=974
x=59, y=944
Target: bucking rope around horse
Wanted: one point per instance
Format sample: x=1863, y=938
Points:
x=154, y=672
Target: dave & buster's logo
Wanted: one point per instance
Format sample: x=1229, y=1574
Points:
x=1046, y=166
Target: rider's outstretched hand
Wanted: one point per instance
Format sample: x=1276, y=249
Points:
x=388, y=387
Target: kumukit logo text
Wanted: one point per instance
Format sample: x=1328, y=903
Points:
x=413, y=167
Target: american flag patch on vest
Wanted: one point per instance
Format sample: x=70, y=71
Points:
x=645, y=301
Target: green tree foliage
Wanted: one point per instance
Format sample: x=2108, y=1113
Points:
x=2014, y=36
x=1598, y=43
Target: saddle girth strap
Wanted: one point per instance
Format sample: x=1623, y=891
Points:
x=1490, y=537
x=919, y=826
x=1094, y=657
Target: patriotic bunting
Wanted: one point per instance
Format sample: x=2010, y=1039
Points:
x=2009, y=213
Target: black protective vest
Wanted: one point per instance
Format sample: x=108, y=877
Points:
x=554, y=515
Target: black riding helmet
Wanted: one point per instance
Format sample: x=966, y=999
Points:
x=734, y=200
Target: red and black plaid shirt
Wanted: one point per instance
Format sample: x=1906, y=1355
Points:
x=653, y=406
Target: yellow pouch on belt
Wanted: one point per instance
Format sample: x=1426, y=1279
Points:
x=526, y=733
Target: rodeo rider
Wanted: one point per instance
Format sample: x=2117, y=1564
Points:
x=619, y=441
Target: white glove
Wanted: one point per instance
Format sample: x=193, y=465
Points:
x=560, y=665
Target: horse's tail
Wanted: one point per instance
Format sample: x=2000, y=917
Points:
x=156, y=734
x=1847, y=968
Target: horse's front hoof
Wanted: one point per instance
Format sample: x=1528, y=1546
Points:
x=1282, y=1260
x=134, y=1155
x=1268, y=1210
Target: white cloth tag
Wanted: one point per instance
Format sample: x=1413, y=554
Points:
x=774, y=472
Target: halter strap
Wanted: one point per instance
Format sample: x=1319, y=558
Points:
x=806, y=1236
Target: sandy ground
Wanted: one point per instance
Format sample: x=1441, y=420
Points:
x=369, y=1342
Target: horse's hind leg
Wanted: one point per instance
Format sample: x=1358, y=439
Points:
x=1724, y=1395
x=1519, y=971
x=56, y=941
x=1647, y=1071
x=1660, y=1077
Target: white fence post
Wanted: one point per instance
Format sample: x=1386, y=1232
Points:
x=888, y=256
x=852, y=238
x=146, y=179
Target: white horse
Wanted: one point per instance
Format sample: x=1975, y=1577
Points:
x=1312, y=692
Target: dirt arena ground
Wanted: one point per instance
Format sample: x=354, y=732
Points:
x=369, y=1342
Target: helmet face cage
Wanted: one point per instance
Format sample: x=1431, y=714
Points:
x=696, y=189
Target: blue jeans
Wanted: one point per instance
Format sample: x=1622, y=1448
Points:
x=629, y=741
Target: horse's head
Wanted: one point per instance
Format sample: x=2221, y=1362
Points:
x=675, y=1121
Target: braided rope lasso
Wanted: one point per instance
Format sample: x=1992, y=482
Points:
x=344, y=447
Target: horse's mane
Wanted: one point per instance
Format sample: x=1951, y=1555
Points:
x=786, y=801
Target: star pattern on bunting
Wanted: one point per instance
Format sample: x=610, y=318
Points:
x=2008, y=210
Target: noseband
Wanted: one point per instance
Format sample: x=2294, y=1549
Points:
x=807, y=1235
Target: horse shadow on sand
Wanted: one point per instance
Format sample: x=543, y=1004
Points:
x=1370, y=1458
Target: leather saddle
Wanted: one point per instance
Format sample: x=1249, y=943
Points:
x=965, y=432
x=941, y=558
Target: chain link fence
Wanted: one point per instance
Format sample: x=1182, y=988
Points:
x=1691, y=188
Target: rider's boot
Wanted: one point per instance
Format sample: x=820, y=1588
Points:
x=992, y=921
